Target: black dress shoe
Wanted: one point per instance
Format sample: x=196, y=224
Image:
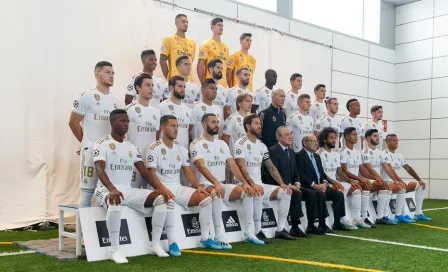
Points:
x=284, y=235
x=338, y=227
x=261, y=236
x=315, y=230
x=297, y=232
x=325, y=228
x=372, y=225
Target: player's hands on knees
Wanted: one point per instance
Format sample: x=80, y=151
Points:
x=249, y=190
x=400, y=185
x=338, y=186
x=220, y=190
x=422, y=183
x=115, y=197
x=201, y=190
x=259, y=191
x=167, y=194
x=286, y=188
x=295, y=187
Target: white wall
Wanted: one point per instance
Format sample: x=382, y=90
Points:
x=422, y=90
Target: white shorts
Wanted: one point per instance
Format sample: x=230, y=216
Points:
x=268, y=190
x=138, y=181
x=133, y=198
x=228, y=188
x=88, y=177
x=182, y=194
x=346, y=186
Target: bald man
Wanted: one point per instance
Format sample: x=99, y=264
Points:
x=272, y=118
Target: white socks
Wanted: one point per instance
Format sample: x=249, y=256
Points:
x=365, y=198
x=169, y=221
x=205, y=217
x=400, y=202
x=355, y=204
x=158, y=219
x=85, y=198
x=258, y=209
x=248, y=209
x=386, y=205
x=346, y=217
x=113, y=223
x=419, y=195
x=382, y=198
x=217, y=215
x=283, y=208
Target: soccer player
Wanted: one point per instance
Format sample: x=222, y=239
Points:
x=317, y=109
x=211, y=49
x=192, y=91
x=176, y=45
x=375, y=123
x=211, y=155
x=351, y=120
x=174, y=106
x=262, y=99
x=329, y=119
x=89, y=122
x=241, y=59
x=144, y=121
x=250, y=155
x=215, y=70
x=397, y=161
x=205, y=106
x=115, y=159
x=243, y=81
x=331, y=162
x=149, y=61
x=167, y=158
x=300, y=123
x=292, y=96
x=233, y=127
x=376, y=163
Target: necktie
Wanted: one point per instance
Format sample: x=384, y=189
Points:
x=287, y=153
x=313, y=161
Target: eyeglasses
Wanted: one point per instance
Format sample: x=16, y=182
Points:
x=314, y=142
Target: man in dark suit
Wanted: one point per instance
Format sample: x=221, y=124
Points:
x=313, y=177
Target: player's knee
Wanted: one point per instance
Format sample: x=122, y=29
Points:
x=159, y=204
x=411, y=187
x=243, y=195
x=114, y=208
x=383, y=192
x=206, y=201
x=158, y=200
x=170, y=205
x=356, y=192
x=282, y=194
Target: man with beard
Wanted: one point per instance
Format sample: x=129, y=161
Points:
x=329, y=119
x=292, y=96
x=173, y=106
x=211, y=156
x=240, y=59
x=351, y=120
x=317, y=109
x=250, y=155
x=89, y=122
x=300, y=123
x=272, y=118
x=205, y=106
x=243, y=80
x=262, y=99
x=375, y=123
x=212, y=49
x=215, y=68
x=192, y=91
x=176, y=45
x=149, y=61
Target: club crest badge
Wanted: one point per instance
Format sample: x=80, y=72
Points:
x=205, y=146
x=130, y=154
x=163, y=151
x=178, y=157
x=112, y=146
x=97, y=97
x=138, y=110
x=171, y=107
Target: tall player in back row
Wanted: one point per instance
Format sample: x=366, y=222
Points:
x=318, y=108
x=89, y=122
x=375, y=123
x=263, y=96
x=292, y=96
x=329, y=119
x=241, y=59
x=243, y=80
x=176, y=45
x=352, y=120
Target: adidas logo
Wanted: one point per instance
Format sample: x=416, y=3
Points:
x=411, y=205
x=231, y=222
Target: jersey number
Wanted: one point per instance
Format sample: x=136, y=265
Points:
x=88, y=171
x=134, y=176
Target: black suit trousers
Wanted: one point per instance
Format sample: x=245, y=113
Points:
x=295, y=209
x=337, y=198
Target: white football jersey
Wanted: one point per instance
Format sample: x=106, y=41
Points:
x=263, y=98
x=157, y=94
x=199, y=109
x=192, y=94
x=233, y=127
x=95, y=107
x=221, y=96
x=396, y=161
x=143, y=124
x=167, y=161
x=346, y=122
x=300, y=126
x=328, y=121
x=215, y=155
x=330, y=162
x=119, y=158
x=317, y=110
x=372, y=125
x=254, y=154
x=232, y=94
x=351, y=157
x=291, y=105
x=184, y=119
x=374, y=157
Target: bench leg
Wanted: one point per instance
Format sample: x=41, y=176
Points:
x=61, y=229
x=78, y=235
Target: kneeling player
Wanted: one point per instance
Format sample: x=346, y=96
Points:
x=396, y=160
x=250, y=154
x=115, y=159
x=211, y=155
x=167, y=158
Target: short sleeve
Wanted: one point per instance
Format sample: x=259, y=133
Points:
x=239, y=152
x=338, y=162
x=403, y=161
x=364, y=128
x=366, y=158
x=99, y=151
x=193, y=53
x=384, y=158
x=319, y=125
x=157, y=122
x=228, y=126
x=185, y=158
x=265, y=152
x=343, y=157
x=80, y=105
x=196, y=152
x=227, y=154
x=130, y=89
x=255, y=63
x=228, y=99
x=190, y=115
x=151, y=158
x=290, y=122
x=231, y=62
x=165, y=49
x=258, y=97
x=137, y=156
x=203, y=51
x=166, y=92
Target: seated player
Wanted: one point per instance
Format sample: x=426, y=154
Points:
x=210, y=156
x=397, y=161
x=115, y=159
x=250, y=153
x=167, y=158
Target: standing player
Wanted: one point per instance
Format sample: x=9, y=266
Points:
x=329, y=119
x=375, y=123
x=243, y=81
x=351, y=120
x=233, y=127
x=215, y=70
x=173, y=106
x=149, y=61
x=263, y=99
x=167, y=158
x=211, y=49
x=317, y=109
x=89, y=122
x=205, y=106
x=396, y=160
x=292, y=96
x=192, y=91
x=176, y=45
x=211, y=156
x=331, y=162
x=241, y=59
x=300, y=123
x=115, y=159
x=250, y=155
x=144, y=121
